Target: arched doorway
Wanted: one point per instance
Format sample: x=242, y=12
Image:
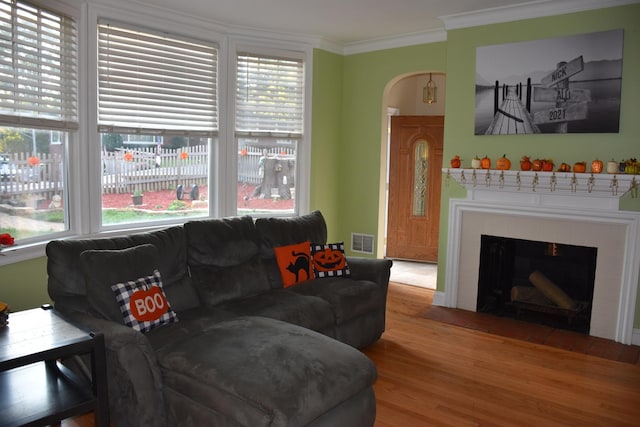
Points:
x=411, y=203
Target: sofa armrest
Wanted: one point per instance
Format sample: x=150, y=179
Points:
x=134, y=378
x=375, y=270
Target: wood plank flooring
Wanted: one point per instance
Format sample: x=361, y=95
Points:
x=437, y=374
x=433, y=373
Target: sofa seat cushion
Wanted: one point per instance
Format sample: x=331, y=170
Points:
x=307, y=311
x=348, y=298
x=262, y=372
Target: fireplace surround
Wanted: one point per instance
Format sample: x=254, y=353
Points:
x=566, y=208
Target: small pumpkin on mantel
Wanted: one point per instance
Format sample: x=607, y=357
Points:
x=564, y=167
x=536, y=165
x=525, y=163
x=485, y=162
x=597, y=166
x=476, y=163
x=580, y=167
x=503, y=163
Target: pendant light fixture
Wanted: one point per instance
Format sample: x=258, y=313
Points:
x=429, y=92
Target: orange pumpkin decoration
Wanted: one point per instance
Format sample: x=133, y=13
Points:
x=184, y=155
x=536, y=165
x=328, y=260
x=525, y=163
x=455, y=162
x=128, y=156
x=485, y=162
x=503, y=163
x=564, y=167
x=148, y=304
x=580, y=167
x=547, y=165
x=597, y=166
x=34, y=161
x=243, y=152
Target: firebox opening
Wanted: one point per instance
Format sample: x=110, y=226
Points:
x=547, y=283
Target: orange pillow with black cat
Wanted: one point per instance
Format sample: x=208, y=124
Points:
x=294, y=262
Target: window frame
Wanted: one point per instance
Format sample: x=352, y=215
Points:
x=84, y=208
x=303, y=150
x=34, y=248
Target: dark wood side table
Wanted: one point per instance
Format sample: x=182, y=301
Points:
x=37, y=390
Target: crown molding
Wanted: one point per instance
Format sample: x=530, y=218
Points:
x=401, y=40
x=534, y=9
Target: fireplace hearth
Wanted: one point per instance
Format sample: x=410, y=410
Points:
x=568, y=210
x=541, y=282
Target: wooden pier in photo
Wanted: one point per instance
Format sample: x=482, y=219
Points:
x=512, y=117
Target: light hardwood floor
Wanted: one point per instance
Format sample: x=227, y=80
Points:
x=435, y=374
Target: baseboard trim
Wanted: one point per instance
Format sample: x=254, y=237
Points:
x=439, y=299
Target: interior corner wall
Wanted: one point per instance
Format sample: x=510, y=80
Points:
x=326, y=175
x=569, y=148
x=366, y=76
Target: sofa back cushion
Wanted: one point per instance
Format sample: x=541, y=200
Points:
x=276, y=232
x=105, y=267
x=67, y=285
x=224, y=259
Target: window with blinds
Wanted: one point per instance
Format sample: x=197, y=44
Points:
x=38, y=117
x=269, y=95
x=155, y=82
x=269, y=126
x=38, y=67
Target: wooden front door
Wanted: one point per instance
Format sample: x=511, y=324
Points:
x=415, y=172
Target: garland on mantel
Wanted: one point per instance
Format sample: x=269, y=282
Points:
x=583, y=184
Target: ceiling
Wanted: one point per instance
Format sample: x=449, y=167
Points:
x=351, y=21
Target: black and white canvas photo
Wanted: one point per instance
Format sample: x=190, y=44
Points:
x=568, y=84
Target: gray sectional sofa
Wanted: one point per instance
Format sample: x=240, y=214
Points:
x=244, y=351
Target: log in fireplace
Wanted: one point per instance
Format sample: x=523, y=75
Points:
x=542, y=282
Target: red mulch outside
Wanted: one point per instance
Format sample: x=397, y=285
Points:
x=161, y=200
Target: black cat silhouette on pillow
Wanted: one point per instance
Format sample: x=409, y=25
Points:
x=301, y=263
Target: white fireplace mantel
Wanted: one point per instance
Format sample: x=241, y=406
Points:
x=581, y=210
x=587, y=190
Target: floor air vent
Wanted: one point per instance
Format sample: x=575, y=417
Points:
x=362, y=243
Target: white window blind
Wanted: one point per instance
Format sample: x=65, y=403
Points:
x=38, y=67
x=269, y=95
x=152, y=82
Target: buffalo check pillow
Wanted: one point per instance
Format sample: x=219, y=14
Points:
x=143, y=304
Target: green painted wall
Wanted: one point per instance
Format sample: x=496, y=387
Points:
x=325, y=136
x=459, y=122
x=24, y=284
x=366, y=76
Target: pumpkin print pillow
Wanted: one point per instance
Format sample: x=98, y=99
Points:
x=329, y=260
x=143, y=303
x=294, y=263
